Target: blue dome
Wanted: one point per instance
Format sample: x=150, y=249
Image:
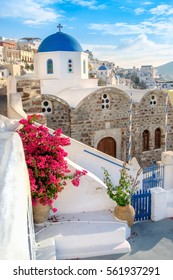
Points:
x=102, y=67
x=60, y=42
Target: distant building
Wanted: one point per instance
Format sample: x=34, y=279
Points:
x=4, y=72
x=8, y=44
x=1, y=54
x=28, y=44
x=106, y=74
x=162, y=84
x=147, y=75
x=21, y=51
x=14, y=69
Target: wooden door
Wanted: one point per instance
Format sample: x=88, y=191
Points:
x=108, y=146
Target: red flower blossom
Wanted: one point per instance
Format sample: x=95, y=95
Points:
x=45, y=158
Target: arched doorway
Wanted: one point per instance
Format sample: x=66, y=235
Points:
x=108, y=146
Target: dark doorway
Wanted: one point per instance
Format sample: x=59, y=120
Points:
x=108, y=146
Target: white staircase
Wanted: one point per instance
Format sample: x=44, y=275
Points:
x=82, y=235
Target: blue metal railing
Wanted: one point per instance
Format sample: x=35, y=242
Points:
x=153, y=176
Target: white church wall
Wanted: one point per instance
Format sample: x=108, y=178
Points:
x=60, y=65
x=54, y=87
x=62, y=78
x=84, y=65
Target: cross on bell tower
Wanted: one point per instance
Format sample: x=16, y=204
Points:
x=59, y=26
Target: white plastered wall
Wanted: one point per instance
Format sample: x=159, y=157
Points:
x=14, y=102
x=162, y=198
x=60, y=65
x=14, y=197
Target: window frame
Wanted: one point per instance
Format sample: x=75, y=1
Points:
x=49, y=66
x=105, y=101
x=84, y=66
x=145, y=140
x=157, y=138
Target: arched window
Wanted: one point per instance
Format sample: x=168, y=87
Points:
x=145, y=140
x=157, y=138
x=49, y=66
x=84, y=66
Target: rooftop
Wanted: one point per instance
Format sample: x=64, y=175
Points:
x=60, y=42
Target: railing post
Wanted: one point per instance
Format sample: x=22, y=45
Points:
x=158, y=204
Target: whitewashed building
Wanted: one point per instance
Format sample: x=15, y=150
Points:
x=148, y=74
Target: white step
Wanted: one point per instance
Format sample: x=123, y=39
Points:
x=95, y=251
x=46, y=249
x=87, y=239
x=82, y=235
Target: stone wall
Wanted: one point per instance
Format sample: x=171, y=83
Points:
x=89, y=118
x=89, y=122
x=31, y=95
x=32, y=101
x=59, y=117
x=150, y=117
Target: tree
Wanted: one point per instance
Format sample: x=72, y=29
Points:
x=101, y=82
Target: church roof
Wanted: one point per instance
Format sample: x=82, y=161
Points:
x=73, y=96
x=102, y=67
x=60, y=42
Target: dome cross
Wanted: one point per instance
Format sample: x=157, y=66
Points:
x=59, y=26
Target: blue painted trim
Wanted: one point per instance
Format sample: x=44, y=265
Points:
x=105, y=159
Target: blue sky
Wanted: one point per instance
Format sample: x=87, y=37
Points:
x=129, y=32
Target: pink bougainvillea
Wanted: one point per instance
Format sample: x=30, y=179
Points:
x=45, y=157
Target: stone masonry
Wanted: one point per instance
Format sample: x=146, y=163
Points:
x=89, y=122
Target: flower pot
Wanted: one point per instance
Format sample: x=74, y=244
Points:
x=125, y=213
x=40, y=213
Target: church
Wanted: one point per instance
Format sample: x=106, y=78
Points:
x=116, y=120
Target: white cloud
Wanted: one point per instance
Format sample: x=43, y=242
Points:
x=31, y=11
x=137, y=52
x=36, y=12
x=93, y=5
x=147, y=3
x=162, y=10
x=121, y=28
x=150, y=27
x=139, y=11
